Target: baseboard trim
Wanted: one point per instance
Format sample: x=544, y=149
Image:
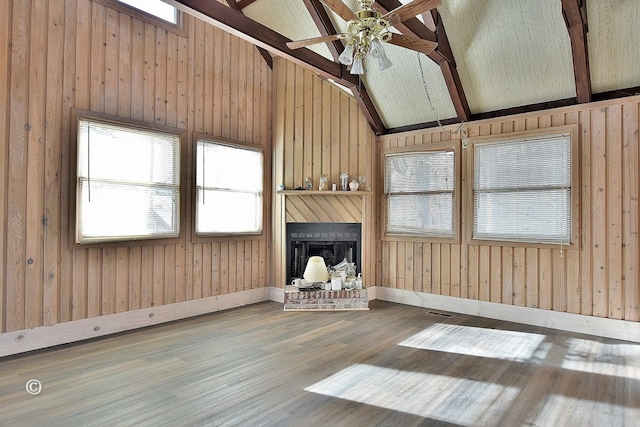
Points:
x=16, y=342
x=590, y=325
x=67, y=332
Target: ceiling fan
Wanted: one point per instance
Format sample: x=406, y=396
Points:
x=368, y=28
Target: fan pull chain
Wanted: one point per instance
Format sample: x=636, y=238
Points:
x=433, y=108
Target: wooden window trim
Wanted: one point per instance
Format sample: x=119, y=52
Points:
x=181, y=28
x=453, y=145
x=468, y=177
x=226, y=237
x=78, y=115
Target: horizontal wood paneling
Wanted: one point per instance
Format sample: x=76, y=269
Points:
x=319, y=129
x=67, y=54
x=599, y=277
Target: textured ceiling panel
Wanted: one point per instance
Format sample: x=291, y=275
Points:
x=614, y=44
x=510, y=53
x=289, y=18
x=402, y=96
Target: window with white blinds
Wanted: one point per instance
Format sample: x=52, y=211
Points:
x=229, y=187
x=419, y=187
x=127, y=183
x=522, y=190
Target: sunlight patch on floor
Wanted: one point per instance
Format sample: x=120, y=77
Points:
x=570, y=411
x=620, y=360
x=481, y=342
x=457, y=400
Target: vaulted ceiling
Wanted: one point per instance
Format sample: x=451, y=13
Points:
x=494, y=57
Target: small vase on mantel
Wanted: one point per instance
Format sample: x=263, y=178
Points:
x=353, y=185
x=344, y=180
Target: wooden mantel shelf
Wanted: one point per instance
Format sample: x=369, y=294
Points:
x=323, y=193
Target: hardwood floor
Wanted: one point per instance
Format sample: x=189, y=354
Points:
x=394, y=365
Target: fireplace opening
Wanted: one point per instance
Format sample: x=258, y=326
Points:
x=334, y=242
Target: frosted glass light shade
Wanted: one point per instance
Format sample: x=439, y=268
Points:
x=346, y=57
x=316, y=270
x=383, y=61
x=358, y=66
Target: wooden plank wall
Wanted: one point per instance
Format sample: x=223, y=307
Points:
x=58, y=55
x=600, y=278
x=318, y=129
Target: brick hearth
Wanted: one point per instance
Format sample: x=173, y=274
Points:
x=354, y=299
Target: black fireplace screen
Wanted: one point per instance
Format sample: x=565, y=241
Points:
x=334, y=242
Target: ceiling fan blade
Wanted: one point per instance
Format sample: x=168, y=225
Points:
x=409, y=10
x=307, y=42
x=419, y=45
x=340, y=9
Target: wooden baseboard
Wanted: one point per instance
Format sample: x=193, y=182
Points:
x=590, y=325
x=67, y=332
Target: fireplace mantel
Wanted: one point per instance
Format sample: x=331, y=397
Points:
x=323, y=193
x=314, y=206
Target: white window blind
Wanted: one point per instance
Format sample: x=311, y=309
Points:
x=127, y=183
x=419, y=188
x=522, y=190
x=229, y=181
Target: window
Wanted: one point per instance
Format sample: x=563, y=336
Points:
x=522, y=189
x=127, y=182
x=420, y=192
x=229, y=186
x=155, y=12
x=157, y=8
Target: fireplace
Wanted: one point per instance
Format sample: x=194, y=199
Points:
x=332, y=241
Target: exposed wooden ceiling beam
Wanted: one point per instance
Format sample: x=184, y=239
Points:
x=239, y=25
x=442, y=55
x=244, y=3
x=265, y=55
x=325, y=26
x=575, y=16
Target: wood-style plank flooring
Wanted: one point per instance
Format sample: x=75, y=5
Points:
x=394, y=365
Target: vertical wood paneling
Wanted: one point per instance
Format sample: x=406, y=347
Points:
x=34, y=236
x=599, y=211
x=320, y=130
x=599, y=276
x=630, y=210
x=67, y=54
x=5, y=91
x=53, y=165
x=613, y=226
x=16, y=176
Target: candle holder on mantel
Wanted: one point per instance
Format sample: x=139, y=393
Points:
x=324, y=183
x=362, y=180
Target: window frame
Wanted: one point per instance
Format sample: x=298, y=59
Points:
x=77, y=116
x=453, y=146
x=181, y=27
x=469, y=205
x=229, y=236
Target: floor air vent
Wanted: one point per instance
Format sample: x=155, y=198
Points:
x=440, y=314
